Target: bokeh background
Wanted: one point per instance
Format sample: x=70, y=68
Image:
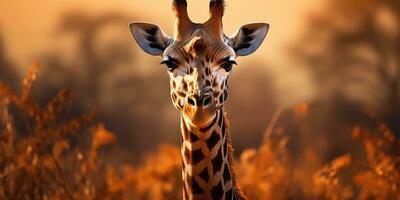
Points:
x=338, y=59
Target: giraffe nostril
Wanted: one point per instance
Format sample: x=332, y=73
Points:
x=191, y=101
x=204, y=101
x=207, y=101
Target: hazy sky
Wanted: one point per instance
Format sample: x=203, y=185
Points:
x=28, y=26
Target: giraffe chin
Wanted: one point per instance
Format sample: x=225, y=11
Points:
x=199, y=117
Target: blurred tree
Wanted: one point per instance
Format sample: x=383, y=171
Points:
x=352, y=49
x=100, y=69
x=88, y=28
x=119, y=90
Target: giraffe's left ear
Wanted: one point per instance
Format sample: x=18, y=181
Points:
x=249, y=38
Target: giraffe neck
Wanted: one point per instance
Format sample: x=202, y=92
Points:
x=206, y=156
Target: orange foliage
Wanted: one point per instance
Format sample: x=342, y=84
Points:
x=326, y=182
x=380, y=177
x=264, y=173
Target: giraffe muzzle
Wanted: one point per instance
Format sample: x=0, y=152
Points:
x=199, y=109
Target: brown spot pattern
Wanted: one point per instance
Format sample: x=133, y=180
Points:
x=225, y=147
x=194, y=186
x=197, y=156
x=212, y=140
x=193, y=137
x=217, y=161
x=227, y=174
x=217, y=191
x=204, y=175
x=229, y=195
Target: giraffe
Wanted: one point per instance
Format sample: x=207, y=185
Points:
x=199, y=58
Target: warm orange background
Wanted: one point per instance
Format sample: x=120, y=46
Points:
x=132, y=89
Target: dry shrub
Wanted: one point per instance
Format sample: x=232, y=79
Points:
x=269, y=173
x=54, y=158
x=379, y=176
x=43, y=164
x=264, y=173
x=326, y=182
x=158, y=178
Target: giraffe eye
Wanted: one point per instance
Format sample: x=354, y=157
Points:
x=227, y=65
x=171, y=64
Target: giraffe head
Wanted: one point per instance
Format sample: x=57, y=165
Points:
x=199, y=58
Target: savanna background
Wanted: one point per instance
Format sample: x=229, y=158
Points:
x=314, y=112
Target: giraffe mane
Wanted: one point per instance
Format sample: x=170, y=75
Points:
x=231, y=157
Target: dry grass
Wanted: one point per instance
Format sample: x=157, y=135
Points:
x=53, y=158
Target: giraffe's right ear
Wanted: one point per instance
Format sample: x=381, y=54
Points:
x=150, y=38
